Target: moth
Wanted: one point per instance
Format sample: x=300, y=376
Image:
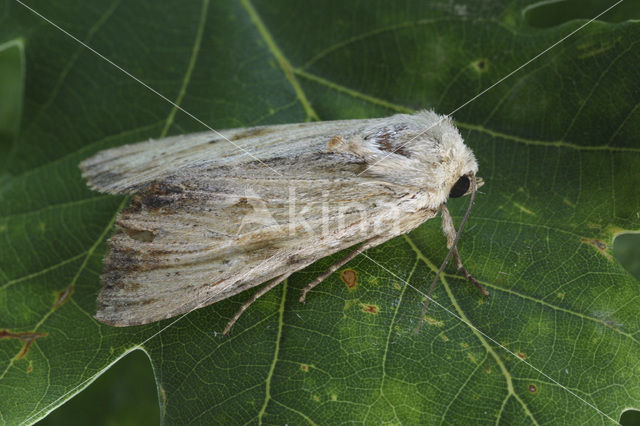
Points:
x=214, y=214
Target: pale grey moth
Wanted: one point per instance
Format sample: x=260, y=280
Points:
x=209, y=221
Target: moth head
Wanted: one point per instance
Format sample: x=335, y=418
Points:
x=424, y=150
x=458, y=164
x=463, y=185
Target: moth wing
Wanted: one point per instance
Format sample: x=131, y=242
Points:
x=176, y=250
x=208, y=222
x=128, y=168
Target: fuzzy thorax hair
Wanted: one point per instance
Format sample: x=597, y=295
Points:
x=424, y=150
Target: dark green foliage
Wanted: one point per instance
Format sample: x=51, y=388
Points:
x=558, y=145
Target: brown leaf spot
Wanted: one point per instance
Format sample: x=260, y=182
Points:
x=350, y=277
x=304, y=367
x=370, y=309
x=598, y=244
x=30, y=367
x=27, y=338
x=487, y=369
x=533, y=388
x=432, y=321
x=522, y=355
x=480, y=65
x=63, y=296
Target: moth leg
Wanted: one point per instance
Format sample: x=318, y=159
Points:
x=252, y=299
x=467, y=275
x=367, y=244
x=450, y=232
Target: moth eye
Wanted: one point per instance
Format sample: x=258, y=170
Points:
x=460, y=188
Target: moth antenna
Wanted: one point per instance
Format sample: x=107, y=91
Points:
x=448, y=256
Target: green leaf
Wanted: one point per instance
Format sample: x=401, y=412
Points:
x=558, y=144
x=123, y=396
x=11, y=93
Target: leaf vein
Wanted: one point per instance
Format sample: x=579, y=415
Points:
x=276, y=352
x=190, y=67
x=284, y=63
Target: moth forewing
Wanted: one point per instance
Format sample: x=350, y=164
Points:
x=209, y=221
